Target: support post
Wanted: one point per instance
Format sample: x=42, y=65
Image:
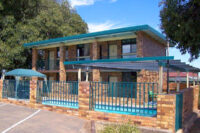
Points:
x=95, y=51
x=62, y=71
x=79, y=74
x=197, y=78
x=193, y=79
x=187, y=80
x=83, y=97
x=34, y=61
x=178, y=81
x=33, y=93
x=34, y=58
x=87, y=75
x=160, y=79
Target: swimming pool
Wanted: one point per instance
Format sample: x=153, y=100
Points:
x=139, y=111
x=61, y=103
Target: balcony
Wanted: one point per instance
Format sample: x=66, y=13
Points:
x=47, y=65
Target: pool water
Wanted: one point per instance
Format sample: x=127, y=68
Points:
x=60, y=103
x=139, y=111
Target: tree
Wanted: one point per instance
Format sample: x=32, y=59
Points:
x=50, y=20
x=180, y=21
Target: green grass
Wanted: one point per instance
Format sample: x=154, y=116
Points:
x=120, y=128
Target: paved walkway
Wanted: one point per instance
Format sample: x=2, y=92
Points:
x=19, y=119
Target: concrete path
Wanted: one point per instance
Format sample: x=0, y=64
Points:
x=18, y=119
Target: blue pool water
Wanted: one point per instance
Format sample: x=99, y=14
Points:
x=150, y=112
x=60, y=103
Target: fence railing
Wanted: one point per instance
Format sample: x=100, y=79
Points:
x=124, y=97
x=58, y=93
x=16, y=89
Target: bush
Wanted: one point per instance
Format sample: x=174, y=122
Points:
x=123, y=128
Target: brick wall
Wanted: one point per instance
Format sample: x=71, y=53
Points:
x=72, y=76
x=105, y=76
x=151, y=76
x=173, y=86
x=72, y=52
x=148, y=47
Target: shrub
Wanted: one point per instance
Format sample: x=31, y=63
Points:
x=120, y=128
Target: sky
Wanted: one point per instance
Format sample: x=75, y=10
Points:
x=110, y=14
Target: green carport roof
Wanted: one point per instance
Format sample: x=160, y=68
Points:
x=25, y=73
x=146, y=28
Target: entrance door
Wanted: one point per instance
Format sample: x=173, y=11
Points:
x=51, y=60
x=112, y=79
x=113, y=51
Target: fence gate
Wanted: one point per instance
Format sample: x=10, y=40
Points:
x=179, y=110
x=124, y=97
x=58, y=93
x=16, y=89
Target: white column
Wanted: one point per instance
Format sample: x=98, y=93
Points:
x=187, y=80
x=160, y=79
x=87, y=75
x=79, y=74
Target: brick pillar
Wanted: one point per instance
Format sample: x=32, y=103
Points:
x=62, y=71
x=34, y=58
x=83, y=98
x=95, y=55
x=166, y=110
x=1, y=90
x=33, y=92
x=196, y=97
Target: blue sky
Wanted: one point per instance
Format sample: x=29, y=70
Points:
x=110, y=14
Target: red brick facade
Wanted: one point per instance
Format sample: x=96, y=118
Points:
x=146, y=46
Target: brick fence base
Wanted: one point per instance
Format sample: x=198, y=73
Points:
x=166, y=108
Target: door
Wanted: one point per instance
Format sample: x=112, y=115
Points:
x=113, y=51
x=112, y=79
x=51, y=60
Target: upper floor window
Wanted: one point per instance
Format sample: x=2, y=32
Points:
x=129, y=48
x=83, y=52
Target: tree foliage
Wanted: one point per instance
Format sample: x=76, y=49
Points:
x=180, y=21
x=30, y=21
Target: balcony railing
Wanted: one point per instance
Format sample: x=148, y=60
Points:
x=54, y=64
x=48, y=64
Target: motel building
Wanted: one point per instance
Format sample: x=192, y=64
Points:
x=117, y=75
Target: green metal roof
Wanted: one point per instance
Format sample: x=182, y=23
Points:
x=120, y=60
x=97, y=34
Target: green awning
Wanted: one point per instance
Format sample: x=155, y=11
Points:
x=25, y=73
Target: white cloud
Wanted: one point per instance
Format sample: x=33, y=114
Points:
x=75, y=3
x=81, y=2
x=113, y=0
x=107, y=25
